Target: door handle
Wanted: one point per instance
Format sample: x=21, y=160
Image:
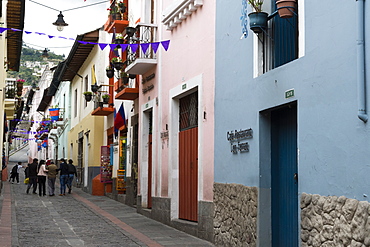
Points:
x=295, y=177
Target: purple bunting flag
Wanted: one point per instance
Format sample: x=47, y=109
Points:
x=40, y=33
x=16, y=30
x=27, y=32
x=2, y=29
x=144, y=47
x=155, y=46
x=134, y=47
x=113, y=46
x=165, y=44
x=102, y=46
x=82, y=42
x=124, y=46
x=51, y=36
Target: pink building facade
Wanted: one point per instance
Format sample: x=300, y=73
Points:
x=174, y=123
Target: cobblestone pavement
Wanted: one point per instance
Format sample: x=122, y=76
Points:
x=79, y=219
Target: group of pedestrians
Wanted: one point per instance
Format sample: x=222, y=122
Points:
x=40, y=172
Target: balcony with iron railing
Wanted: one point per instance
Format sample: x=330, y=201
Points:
x=10, y=98
x=143, y=59
x=118, y=17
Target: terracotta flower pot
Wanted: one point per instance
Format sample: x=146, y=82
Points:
x=286, y=8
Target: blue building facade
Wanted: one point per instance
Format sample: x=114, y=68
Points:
x=292, y=139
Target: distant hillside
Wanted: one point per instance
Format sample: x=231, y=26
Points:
x=29, y=54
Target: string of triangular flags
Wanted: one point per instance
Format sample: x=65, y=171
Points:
x=144, y=46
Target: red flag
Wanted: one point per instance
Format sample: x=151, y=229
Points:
x=120, y=119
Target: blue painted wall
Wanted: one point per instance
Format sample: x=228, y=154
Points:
x=334, y=145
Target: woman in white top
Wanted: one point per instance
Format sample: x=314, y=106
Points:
x=41, y=177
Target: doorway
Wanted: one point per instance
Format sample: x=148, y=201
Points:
x=284, y=177
x=188, y=158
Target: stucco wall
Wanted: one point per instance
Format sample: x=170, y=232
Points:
x=331, y=139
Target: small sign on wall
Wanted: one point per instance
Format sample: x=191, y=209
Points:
x=235, y=137
x=289, y=93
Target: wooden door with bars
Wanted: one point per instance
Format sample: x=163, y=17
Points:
x=188, y=158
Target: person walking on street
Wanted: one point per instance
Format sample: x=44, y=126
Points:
x=63, y=168
x=52, y=175
x=15, y=172
x=32, y=175
x=71, y=173
x=41, y=177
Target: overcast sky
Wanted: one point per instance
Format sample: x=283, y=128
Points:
x=39, y=19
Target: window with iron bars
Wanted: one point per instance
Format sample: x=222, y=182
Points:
x=278, y=44
x=189, y=111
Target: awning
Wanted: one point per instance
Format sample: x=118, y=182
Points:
x=54, y=85
x=29, y=101
x=78, y=55
x=14, y=19
x=45, y=101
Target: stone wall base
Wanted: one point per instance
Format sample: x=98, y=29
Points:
x=334, y=221
x=161, y=211
x=235, y=215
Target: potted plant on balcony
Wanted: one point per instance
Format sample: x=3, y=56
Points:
x=105, y=98
x=257, y=19
x=113, y=13
x=122, y=7
x=286, y=8
x=88, y=96
x=118, y=39
x=109, y=71
x=117, y=63
x=20, y=84
x=124, y=78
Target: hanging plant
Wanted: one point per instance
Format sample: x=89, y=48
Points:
x=286, y=8
x=257, y=19
x=88, y=96
x=117, y=63
x=109, y=72
x=20, y=84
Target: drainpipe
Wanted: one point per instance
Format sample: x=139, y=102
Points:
x=361, y=84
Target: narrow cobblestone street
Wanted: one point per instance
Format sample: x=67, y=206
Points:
x=79, y=219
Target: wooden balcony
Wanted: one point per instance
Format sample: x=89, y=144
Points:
x=128, y=93
x=102, y=111
x=126, y=89
x=120, y=25
x=118, y=21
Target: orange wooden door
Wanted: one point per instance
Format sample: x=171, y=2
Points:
x=188, y=174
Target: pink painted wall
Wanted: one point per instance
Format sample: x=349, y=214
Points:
x=191, y=53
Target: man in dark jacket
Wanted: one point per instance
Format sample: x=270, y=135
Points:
x=72, y=172
x=63, y=168
x=32, y=175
